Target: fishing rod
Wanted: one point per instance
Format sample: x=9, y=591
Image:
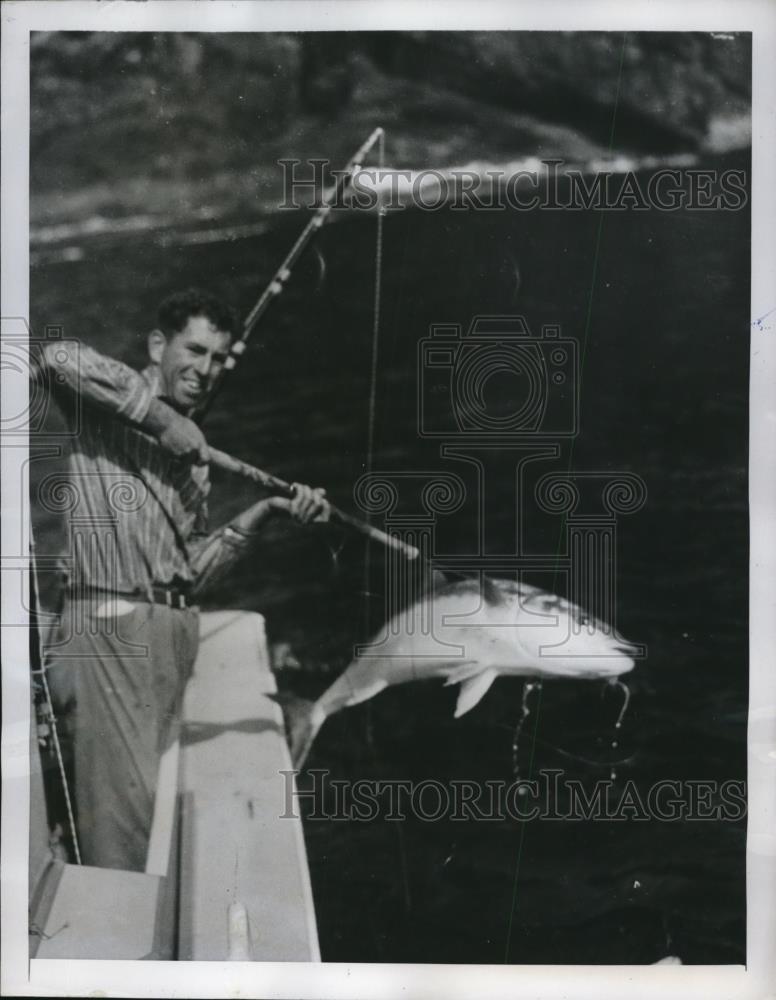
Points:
x=281, y=488
x=282, y=274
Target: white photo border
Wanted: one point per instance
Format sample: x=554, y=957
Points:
x=212, y=979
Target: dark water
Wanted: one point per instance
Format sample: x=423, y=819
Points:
x=662, y=316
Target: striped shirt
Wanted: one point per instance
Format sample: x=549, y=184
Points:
x=137, y=516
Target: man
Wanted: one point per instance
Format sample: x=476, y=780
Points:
x=140, y=554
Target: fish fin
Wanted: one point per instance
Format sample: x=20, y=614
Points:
x=367, y=692
x=302, y=727
x=462, y=671
x=308, y=717
x=492, y=593
x=448, y=578
x=472, y=690
x=437, y=580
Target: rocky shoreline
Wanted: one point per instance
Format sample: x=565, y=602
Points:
x=176, y=129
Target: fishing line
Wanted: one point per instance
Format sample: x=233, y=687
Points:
x=595, y=264
x=376, y=305
x=375, y=339
x=51, y=716
x=52, y=720
x=615, y=682
x=334, y=552
x=515, y=270
x=283, y=273
x=582, y=760
x=569, y=755
x=372, y=411
x=321, y=279
x=528, y=688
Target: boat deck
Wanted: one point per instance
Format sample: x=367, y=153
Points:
x=235, y=848
x=226, y=877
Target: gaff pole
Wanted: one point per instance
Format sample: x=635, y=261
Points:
x=281, y=488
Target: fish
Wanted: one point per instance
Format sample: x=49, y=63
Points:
x=476, y=630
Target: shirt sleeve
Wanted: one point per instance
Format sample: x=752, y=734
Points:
x=213, y=554
x=102, y=381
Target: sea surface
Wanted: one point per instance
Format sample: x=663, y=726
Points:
x=658, y=303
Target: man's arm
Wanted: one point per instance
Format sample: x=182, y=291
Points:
x=175, y=433
x=118, y=389
x=213, y=555
x=102, y=381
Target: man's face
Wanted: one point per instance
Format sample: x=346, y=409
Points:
x=191, y=360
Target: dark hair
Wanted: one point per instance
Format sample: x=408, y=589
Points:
x=178, y=308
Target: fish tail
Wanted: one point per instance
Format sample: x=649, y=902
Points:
x=303, y=727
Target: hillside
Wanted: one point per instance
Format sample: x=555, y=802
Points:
x=179, y=127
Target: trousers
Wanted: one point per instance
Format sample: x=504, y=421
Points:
x=118, y=669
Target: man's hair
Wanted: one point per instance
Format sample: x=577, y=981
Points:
x=178, y=308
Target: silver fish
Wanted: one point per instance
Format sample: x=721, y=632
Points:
x=479, y=630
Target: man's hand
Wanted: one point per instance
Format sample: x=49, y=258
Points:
x=307, y=504
x=176, y=434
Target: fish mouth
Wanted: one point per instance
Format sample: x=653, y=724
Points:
x=601, y=671
x=601, y=675
x=626, y=669
x=610, y=667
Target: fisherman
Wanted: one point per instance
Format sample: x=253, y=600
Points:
x=140, y=557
